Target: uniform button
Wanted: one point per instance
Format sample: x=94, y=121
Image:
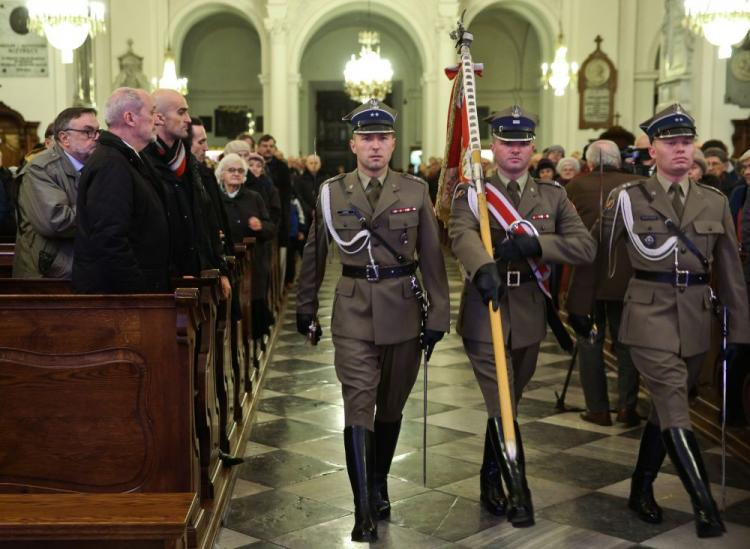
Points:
x=649, y=228
x=683, y=250
x=376, y=244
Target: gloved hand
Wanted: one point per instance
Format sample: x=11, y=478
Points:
x=429, y=339
x=490, y=285
x=303, y=327
x=581, y=324
x=519, y=246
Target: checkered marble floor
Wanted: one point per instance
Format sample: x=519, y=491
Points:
x=293, y=489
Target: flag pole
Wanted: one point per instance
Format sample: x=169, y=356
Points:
x=463, y=45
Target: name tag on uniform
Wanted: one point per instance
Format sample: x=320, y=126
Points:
x=539, y=216
x=346, y=212
x=403, y=210
x=649, y=217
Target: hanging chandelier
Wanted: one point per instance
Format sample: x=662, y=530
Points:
x=723, y=23
x=169, y=79
x=66, y=24
x=559, y=75
x=368, y=76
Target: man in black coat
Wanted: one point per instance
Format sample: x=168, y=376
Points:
x=122, y=242
x=278, y=171
x=195, y=246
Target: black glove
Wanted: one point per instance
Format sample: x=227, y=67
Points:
x=490, y=285
x=303, y=327
x=581, y=324
x=429, y=339
x=519, y=246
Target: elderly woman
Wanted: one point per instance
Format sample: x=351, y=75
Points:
x=248, y=216
x=567, y=169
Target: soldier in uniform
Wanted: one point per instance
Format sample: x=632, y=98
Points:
x=508, y=280
x=677, y=230
x=380, y=219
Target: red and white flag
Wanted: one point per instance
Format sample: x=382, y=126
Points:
x=456, y=166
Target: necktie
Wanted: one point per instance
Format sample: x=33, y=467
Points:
x=676, y=191
x=373, y=192
x=514, y=190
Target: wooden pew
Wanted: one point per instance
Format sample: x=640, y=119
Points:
x=99, y=397
x=7, y=251
x=81, y=521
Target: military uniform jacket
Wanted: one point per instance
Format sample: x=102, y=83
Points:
x=384, y=312
x=562, y=237
x=589, y=197
x=658, y=315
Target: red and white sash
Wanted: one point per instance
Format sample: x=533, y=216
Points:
x=506, y=214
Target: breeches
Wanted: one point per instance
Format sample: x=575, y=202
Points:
x=375, y=379
x=521, y=366
x=668, y=378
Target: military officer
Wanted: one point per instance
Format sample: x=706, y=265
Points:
x=677, y=230
x=380, y=219
x=556, y=235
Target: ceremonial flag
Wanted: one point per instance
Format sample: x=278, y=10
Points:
x=456, y=167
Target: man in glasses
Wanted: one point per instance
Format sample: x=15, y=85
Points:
x=47, y=197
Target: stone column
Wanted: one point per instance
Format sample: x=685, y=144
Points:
x=430, y=126
x=276, y=120
x=294, y=81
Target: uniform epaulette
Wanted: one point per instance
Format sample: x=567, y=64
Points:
x=545, y=182
x=415, y=178
x=710, y=188
x=334, y=178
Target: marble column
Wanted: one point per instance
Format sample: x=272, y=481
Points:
x=294, y=81
x=276, y=120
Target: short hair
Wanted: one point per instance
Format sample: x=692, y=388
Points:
x=604, y=152
x=266, y=137
x=195, y=121
x=232, y=158
x=717, y=152
x=744, y=157
x=233, y=147
x=49, y=131
x=244, y=135
x=568, y=160
x=62, y=120
x=121, y=101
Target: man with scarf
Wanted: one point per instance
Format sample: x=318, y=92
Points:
x=194, y=246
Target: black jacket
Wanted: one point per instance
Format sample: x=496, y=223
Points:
x=306, y=188
x=281, y=178
x=270, y=195
x=122, y=241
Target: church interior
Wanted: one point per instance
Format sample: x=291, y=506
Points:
x=164, y=420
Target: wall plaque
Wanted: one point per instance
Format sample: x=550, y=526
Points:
x=597, y=84
x=22, y=52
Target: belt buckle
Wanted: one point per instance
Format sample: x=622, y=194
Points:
x=681, y=278
x=513, y=279
x=372, y=272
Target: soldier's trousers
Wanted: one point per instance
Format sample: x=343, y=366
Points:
x=591, y=362
x=668, y=378
x=375, y=379
x=521, y=366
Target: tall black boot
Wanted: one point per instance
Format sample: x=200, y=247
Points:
x=650, y=457
x=360, y=457
x=386, y=437
x=520, y=510
x=490, y=485
x=686, y=455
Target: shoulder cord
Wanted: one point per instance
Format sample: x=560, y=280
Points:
x=363, y=235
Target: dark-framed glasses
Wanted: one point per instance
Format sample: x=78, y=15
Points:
x=91, y=133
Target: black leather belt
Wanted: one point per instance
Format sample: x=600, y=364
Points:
x=516, y=278
x=678, y=278
x=373, y=273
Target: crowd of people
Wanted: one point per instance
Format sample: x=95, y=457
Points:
x=136, y=207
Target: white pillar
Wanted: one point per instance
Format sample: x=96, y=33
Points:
x=276, y=120
x=293, y=123
x=265, y=81
x=430, y=126
x=446, y=56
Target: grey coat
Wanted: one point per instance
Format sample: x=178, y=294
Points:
x=47, y=216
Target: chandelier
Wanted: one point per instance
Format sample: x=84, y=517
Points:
x=723, y=23
x=169, y=79
x=560, y=74
x=369, y=75
x=66, y=24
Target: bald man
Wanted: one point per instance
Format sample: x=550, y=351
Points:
x=196, y=240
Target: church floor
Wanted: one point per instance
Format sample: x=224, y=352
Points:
x=293, y=490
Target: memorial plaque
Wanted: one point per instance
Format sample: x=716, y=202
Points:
x=23, y=53
x=597, y=84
